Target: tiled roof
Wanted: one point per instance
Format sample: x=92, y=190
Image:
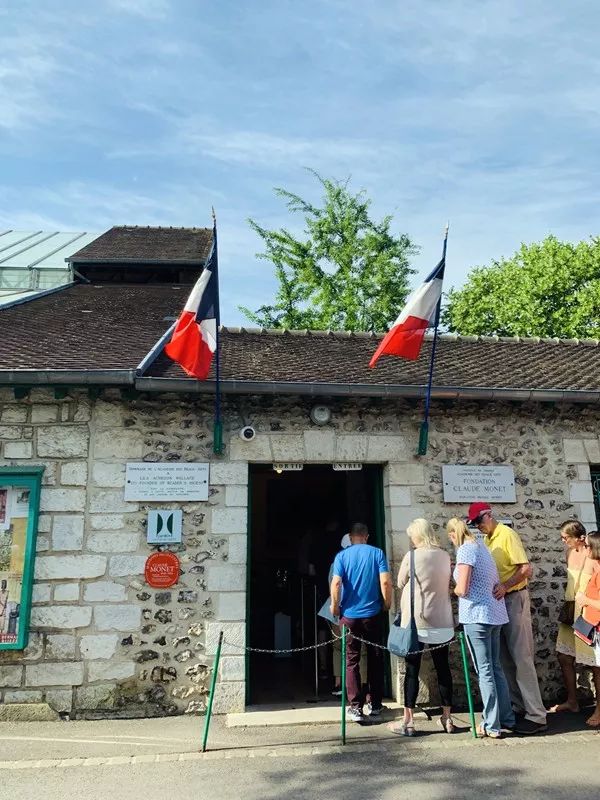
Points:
x=87, y=327
x=125, y=244
x=461, y=361
x=113, y=327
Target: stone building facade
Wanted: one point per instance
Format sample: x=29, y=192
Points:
x=103, y=643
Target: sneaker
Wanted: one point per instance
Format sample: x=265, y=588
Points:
x=528, y=728
x=355, y=715
x=337, y=692
x=375, y=712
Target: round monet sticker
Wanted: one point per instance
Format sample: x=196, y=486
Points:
x=162, y=570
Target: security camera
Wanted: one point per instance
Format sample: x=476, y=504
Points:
x=247, y=433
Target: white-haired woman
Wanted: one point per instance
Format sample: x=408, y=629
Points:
x=433, y=617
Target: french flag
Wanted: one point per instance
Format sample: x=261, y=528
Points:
x=194, y=338
x=406, y=335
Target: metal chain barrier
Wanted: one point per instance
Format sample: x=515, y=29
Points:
x=249, y=649
x=336, y=638
x=411, y=653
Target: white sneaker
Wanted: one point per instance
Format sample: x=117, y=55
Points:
x=355, y=714
x=375, y=712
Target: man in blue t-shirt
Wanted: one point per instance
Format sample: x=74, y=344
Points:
x=361, y=578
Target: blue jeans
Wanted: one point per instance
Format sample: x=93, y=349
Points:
x=484, y=644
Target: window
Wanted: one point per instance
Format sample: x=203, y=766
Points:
x=595, y=471
x=19, y=509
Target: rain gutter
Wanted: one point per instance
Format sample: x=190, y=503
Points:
x=154, y=353
x=365, y=390
x=71, y=377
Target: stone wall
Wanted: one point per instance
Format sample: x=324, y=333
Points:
x=103, y=643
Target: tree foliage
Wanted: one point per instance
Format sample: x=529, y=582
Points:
x=550, y=288
x=346, y=272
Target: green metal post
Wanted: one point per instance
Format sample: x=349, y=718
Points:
x=343, y=684
x=213, y=684
x=463, y=650
x=218, y=438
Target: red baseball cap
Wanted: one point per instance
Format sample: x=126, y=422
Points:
x=476, y=509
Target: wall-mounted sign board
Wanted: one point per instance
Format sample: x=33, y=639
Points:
x=469, y=483
x=164, y=526
x=293, y=467
x=166, y=482
x=347, y=466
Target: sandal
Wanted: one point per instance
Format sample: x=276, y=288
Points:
x=446, y=724
x=561, y=708
x=403, y=729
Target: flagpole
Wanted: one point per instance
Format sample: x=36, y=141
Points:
x=424, y=432
x=218, y=423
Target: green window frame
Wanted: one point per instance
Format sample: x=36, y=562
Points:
x=29, y=478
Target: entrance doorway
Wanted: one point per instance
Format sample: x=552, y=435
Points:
x=297, y=520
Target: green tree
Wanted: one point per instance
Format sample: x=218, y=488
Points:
x=346, y=272
x=550, y=288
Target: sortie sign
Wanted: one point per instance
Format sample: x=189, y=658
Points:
x=162, y=570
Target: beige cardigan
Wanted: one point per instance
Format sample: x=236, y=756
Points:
x=432, y=588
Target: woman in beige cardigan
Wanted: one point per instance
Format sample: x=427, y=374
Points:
x=433, y=616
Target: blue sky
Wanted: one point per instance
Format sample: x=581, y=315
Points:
x=486, y=113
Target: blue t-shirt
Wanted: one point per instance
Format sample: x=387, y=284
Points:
x=480, y=605
x=359, y=568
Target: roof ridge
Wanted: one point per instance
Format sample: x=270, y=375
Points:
x=158, y=228
x=454, y=337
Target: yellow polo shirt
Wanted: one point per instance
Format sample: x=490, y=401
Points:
x=507, y=549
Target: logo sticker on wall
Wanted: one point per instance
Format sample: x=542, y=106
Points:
x=162, y=570
x=164, y=526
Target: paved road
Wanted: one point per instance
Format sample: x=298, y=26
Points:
x=539, y=770
x=159, y=759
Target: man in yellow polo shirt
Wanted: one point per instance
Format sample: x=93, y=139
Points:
x=517, y=646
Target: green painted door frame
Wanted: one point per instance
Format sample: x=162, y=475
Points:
x=376, y=492
x=28, y=478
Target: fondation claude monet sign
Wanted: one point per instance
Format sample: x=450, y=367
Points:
x=464, y=483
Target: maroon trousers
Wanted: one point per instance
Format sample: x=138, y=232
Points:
x=367, y=628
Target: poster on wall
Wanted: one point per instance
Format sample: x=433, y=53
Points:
x=18, y=520
x=4, y=513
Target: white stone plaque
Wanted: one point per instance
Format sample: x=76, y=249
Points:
x=467, y=484
x=166, y=482
x=164, y=526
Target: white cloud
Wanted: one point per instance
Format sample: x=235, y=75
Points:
x=149, y=112
x=27, y=67
x=148, y=9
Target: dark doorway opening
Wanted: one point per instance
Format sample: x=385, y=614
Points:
x=297, y=520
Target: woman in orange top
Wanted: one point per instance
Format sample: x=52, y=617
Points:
x=570, y=649
x=590, y=601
